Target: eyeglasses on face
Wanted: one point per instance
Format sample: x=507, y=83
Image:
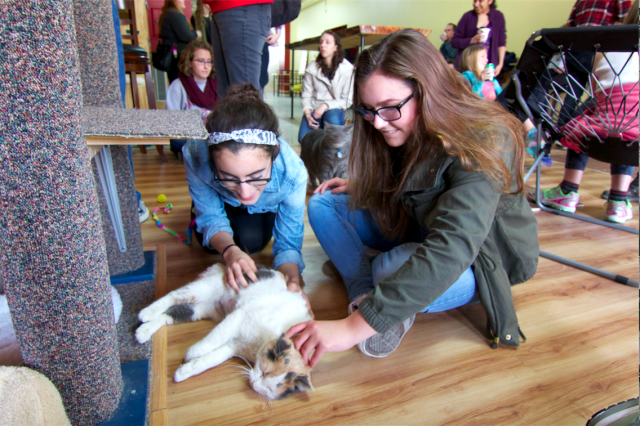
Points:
x=204, y=62
x=234, y=183
x=391, y=113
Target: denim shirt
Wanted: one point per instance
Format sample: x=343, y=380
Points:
x=285, y=195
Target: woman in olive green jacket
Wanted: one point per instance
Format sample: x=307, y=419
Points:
x=436, y=188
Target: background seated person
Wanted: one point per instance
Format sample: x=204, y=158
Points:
x=196, y=86
x=449, y=52
x=327, y=86
x=473, y=67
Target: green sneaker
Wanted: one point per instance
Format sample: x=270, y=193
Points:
x=556, y=199
x=618, y=211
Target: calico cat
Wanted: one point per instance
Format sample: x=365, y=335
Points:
x=325, y=153
x=251, y=325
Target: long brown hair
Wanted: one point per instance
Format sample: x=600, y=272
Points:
x=469, y=59
x=632, y=16
x=338, y=56
x=168, y=4
x=186, y=57
x=198, y=18
x=451, y=120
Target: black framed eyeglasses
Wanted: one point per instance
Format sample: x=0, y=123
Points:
x=204, y=62
x=234, y=183
x=391, y=113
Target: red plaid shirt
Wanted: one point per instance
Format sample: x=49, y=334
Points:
x=588, y=13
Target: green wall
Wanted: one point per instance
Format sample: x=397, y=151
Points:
x=522, y=16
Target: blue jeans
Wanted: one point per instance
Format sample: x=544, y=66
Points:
x=345, y=243
x=331, y=116
x=238, y=36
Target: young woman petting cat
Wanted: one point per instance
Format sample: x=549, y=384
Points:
x=247, y=185
x=327, y=86
x=436, y=186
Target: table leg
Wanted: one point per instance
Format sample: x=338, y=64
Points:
x=108, y=183
x=293, y=56
x=133, y=79
x=361, y=42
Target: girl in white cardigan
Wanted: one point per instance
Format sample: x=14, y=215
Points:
x=327, y=88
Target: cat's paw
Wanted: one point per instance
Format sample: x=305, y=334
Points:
x=196, y=351
x=183, y=372
x=144, y=332
x=150, y=313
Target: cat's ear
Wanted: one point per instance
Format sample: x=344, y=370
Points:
x=303, y=383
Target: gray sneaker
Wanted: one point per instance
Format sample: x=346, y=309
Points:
x=383, y=345
x=622, y=414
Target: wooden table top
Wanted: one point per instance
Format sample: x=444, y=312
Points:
x=351, y=37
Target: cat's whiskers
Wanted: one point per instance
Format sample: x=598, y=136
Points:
x=263, y=399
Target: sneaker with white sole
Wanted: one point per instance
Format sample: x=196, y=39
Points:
x=143, y=212
x=383, y=345
x=556, y=199
x=624, y=413
x=618, y=211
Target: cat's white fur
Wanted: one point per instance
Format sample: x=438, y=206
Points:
x=247, y=320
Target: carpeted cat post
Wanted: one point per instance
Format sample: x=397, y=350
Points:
x=52, y=250
x=98, y=52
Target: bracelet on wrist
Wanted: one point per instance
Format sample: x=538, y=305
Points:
x=227, y=248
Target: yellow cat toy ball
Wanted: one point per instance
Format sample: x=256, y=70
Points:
x=162, y=198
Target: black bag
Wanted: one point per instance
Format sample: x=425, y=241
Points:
x=163, y=57
x=284, y=11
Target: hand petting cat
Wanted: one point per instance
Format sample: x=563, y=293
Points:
x=315, y=338
x=238, y=262
x=337, y=186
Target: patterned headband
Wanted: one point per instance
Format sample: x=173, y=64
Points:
x=257, y=136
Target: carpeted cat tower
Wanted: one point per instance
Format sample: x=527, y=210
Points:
x=59, y=242
x=53, y=254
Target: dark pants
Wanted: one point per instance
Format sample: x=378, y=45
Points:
x=251, y=232
x=576, y=161
x=173, y=72
x=264, y=67
x=238, y=37
x=537, y=99
x=579, y=65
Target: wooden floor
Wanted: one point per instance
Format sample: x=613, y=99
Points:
x=581, y=354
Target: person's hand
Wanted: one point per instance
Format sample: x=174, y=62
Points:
x=295, y=287
x=497, y=70
x=238, y=262
x=319, y=337
x=317, y=114
x=337, y=186
x=485, y=74
x=558, y=70
x=272, y=38
x=312, y=123
x=476, y=38
x=199, y=33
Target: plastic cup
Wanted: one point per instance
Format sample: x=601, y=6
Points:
x=484, y=33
